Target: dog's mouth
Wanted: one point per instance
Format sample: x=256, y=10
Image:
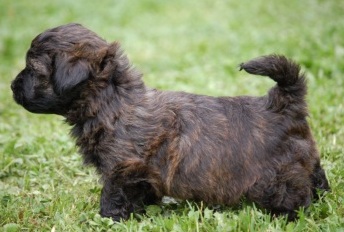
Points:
x=20, y=99
x=29, y=106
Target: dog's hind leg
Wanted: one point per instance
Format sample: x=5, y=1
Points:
x=319, y=180
x=283, y=192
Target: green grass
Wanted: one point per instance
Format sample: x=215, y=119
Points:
x=184, y=45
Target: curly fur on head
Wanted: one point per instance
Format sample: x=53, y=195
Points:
x=147, y=143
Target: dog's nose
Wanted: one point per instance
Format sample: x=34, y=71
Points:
x=12, y=86
x=17, y=92
x=16, y=83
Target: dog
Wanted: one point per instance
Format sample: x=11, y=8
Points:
x=146, y=143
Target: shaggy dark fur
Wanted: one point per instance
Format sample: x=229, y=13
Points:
x=147, y=143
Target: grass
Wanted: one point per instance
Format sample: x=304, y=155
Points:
x=185, y=45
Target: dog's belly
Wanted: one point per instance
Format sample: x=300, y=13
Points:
x=221, y=181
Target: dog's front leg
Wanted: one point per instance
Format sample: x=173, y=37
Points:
x=114, y=202
x=127, y=189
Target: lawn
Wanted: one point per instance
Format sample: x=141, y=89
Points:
x=193, y=46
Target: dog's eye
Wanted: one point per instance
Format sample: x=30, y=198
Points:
x=38, y=69
x=37, y=74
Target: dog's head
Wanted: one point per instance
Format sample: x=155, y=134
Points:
x=59, y=62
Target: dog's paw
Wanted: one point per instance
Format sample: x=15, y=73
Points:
x=116, y=214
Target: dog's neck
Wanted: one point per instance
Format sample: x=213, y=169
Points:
x=94, y=115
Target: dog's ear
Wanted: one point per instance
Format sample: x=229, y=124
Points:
x=110, y=57
x=117, y=65
x=69, y=73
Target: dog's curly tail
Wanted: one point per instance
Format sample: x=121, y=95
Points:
x=289, y=93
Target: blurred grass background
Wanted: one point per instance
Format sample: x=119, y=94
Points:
x=185, y=45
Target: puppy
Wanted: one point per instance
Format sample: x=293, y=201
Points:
x=147, y=143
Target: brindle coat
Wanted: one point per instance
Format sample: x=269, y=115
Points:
x=147, y=143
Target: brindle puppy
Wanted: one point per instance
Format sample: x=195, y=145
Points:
x=147, y=143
